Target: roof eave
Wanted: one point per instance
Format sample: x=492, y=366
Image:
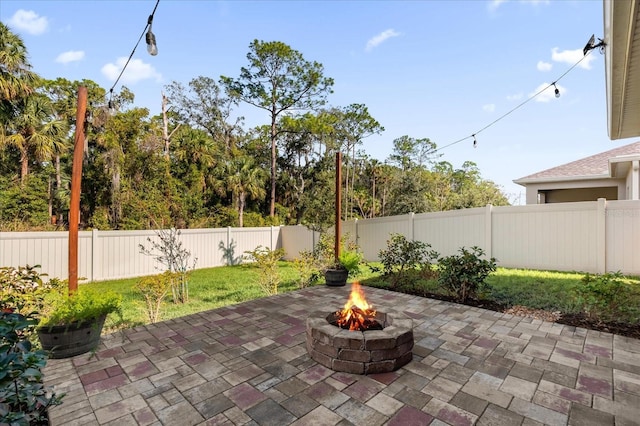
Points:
x=622, y=78
x=525, y=181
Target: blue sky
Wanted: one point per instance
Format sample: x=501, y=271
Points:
x=427, y=69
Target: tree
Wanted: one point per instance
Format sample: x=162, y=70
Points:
x=278, y=79
x=203, y=106
x=410, y=152
x=16, y=78
x=353, y=123
x=244, y=180
x=33, y=131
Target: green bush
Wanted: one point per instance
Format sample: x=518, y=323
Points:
x=24, y=399
x=605, y=296
x=170, y=252
x=267, y=261
x=154, y=289
x=308, y=268
x=464, y=274
x=405, y=261
x=83, y=305
x=23, y=289
x=350, y=260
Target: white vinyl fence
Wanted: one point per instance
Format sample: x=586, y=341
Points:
x=596, y=237
x=104, y=255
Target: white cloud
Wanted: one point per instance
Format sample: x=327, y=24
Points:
x=380, y=38
x=29, y=21
x=549, y=93
x=571, y=57
x=514, y=97
x=544, y=66
x=70, y=56
x=136, y=71
x=494, y=4
x=489, y=107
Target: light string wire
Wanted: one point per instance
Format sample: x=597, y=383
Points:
x=149, y=21
x=530, y=98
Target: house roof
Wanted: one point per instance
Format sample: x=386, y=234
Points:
x=592, y=167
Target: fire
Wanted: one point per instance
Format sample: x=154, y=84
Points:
x=357, y=314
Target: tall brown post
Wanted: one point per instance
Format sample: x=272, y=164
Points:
x=338, y=226
x=76, y=183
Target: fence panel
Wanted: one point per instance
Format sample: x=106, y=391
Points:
x=295, y=239
x=48, y=249
x=585, y=236
x=446, y=232
x=208, y=246
x=623, y=236
x=560, y=236
x=373, y=233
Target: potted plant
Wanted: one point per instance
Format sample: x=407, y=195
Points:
x=348, y=264
x=72, y=323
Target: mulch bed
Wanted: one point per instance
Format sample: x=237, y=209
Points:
x=572, y=319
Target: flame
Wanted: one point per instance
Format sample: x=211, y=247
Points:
x=357, y=314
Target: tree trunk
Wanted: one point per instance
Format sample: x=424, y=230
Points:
x=24, y=165
x=241, y=203
x=272, y=197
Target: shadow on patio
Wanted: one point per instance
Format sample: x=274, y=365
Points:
x=248, y=364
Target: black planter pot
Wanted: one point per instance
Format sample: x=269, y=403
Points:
x=64, y=341
x=336, y=277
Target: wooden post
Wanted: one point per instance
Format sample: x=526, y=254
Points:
x=338, y=225
x=76, y=183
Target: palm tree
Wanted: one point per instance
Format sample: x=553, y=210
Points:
x=16, y=79
x=33, y=131
x=244, y=179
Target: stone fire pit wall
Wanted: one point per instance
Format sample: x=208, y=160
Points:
x=361, y=352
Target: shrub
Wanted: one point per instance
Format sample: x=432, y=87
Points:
x=404, y=261
x=170, y=253
x=464, y=274
x=154, y=289
x=267, y=261
x=23, y=289
x=350, y=260
x=83, y=305
x=308, y=267
x=604, y=296
x=24, y=399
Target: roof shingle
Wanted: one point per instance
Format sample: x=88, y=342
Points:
x=595, y=165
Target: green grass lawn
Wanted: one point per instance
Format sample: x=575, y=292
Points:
x=216, y=287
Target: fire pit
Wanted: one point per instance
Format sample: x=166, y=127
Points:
x=358, y=339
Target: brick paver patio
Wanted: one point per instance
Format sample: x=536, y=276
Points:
x=247, y=364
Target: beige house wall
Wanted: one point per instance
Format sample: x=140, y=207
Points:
x=586, y=190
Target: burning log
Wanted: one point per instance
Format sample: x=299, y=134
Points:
x=357, y=314
x=358, y=319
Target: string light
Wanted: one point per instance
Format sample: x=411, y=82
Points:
x=590, y=46
x=152, y=48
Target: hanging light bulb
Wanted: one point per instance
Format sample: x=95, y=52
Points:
x=557, y=91
x=152, y=48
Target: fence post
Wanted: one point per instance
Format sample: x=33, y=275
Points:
x=412, y=231
x=488, y=238
x=601, y=236
x=271, y=239
x=357, y=237
x=94, y=255
x=229, y=261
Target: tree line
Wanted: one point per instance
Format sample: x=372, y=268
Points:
x=196, y=164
